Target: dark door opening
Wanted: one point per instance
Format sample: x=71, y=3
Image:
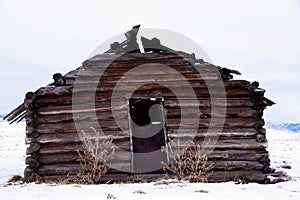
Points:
x=148, y=134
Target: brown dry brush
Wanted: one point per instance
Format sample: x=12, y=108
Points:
x=93, y=161
x=187, y=163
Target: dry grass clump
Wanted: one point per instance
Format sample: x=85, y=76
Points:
x=187, y=163
x=94, y=159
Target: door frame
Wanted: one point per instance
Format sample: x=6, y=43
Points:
x=162, y=111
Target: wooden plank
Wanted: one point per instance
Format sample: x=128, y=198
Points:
x=199, y=89
x=62, y=117
x=85, y=126
x=72, y=169
x=229, y=122
x=69, y=127
x=101, y=107
x=61, y=114
x=206, y=102
x=60, y=137
x=154, y=76
x=44, y=101
x=69, y=158
x=238, y=155
x=87, y=108
x=234, y=144
x=221, y=135
x=206, y=112
x=74, y=137
x=215, y=156
x=61, y=169
x=226, y=131
x=184, y=88
x=242, y=144
x=15, y=113
x=170, y=123
x=59, y=148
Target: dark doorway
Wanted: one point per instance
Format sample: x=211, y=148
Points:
x=148, y=134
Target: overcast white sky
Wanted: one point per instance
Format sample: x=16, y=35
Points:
x=260, y=38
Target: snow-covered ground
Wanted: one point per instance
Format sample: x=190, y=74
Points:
x=284, y=150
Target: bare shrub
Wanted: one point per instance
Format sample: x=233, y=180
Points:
x=187, y=163
x=98, y=150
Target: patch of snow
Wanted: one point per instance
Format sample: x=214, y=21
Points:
x=12, y=150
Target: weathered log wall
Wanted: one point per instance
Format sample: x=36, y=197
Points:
x=54, y=142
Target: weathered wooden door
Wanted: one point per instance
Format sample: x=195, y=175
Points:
x=147, y=134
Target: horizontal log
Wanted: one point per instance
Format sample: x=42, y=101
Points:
x=241, y=144
x=62, y=148
x=84, y=126
x=73, y=169
x=104, y=100
x=51, y=90
x=238, y=86
x=47, y=159
x=86, y=108
x=161, y=67
x=60, y=114
x=74, y=137
x=148, y=70
x=124, y=136
x=218, y=112
x=170, y=123
x=228, y=85
x=61, y=169
x=238, y=155
x=220, y=135
x=247, y=176
x=154, y=85
x=154, y=76
x=206, y=102
x=226, y=131
x=233, y=144
x=73, y=148
x=70, y=128
x=60, y=137
x=63, y=117
x=216, y=156
x=235, y=165
x=229, y=122
x=122, y=108
x=205, y=93
x=184, y=91
x=44, y=101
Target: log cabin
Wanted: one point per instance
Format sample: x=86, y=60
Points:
x=142, y=101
